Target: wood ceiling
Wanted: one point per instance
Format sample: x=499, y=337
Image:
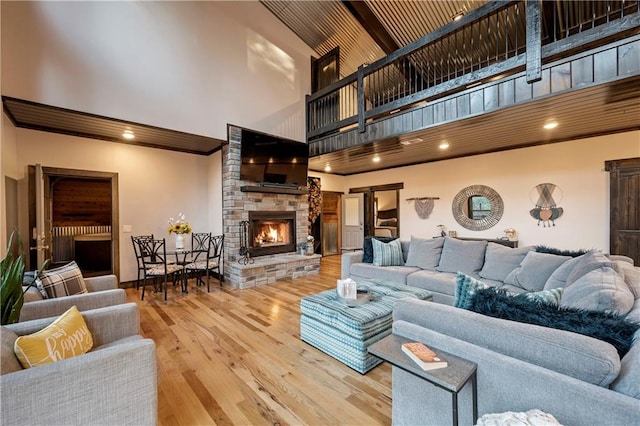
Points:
x=35, y=116
x=368, y=30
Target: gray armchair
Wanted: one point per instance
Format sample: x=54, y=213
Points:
x=103, y=291
x=113, y=384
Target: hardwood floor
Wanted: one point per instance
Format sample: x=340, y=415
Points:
x=234, y=357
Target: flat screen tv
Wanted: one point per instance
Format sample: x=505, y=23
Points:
x=269, y=159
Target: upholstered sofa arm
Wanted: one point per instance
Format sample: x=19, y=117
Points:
x=101, y=283
x=575, y=355
x=106, y=324
x=348, y=259
x=504, y=384
x=112, y=386
x=52, y=307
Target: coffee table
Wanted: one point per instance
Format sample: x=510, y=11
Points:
x=345, y=332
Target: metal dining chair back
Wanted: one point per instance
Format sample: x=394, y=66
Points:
x=136, y=251
x=208, y=260
x=155, y=266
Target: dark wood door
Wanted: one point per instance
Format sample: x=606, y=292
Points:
x=331, y=223
x=624, y=180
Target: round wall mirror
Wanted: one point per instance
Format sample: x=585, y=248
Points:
x=477, y=207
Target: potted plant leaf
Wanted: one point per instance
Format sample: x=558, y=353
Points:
x=12, y=272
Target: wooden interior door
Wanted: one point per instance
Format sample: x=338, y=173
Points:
x=624, y=183
x=331, y=223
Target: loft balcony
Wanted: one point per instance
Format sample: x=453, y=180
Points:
x=485, y=83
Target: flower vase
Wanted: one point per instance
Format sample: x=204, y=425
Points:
x=309, y=249
x=179, y=242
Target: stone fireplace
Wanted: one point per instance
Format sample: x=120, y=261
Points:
x=266, y=209
x=271, y=232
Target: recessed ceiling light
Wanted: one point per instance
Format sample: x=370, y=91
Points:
x=443, y=145
x=128, y=134
x=551, y=125
x=376, y=158
x=327, y=167
x=458, y=16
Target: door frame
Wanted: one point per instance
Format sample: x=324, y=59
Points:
x=369, y=203
x=48, y=173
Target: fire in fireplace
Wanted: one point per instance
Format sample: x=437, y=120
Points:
x=272, y=232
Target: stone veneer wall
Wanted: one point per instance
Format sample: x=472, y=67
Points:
x=235, y=208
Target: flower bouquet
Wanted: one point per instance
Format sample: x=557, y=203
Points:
x=180, y=226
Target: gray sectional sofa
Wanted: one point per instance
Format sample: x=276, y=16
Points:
x=578, y=379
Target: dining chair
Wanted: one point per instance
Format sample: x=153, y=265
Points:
x=155, y=265
x=207, y=259
x=136, y=250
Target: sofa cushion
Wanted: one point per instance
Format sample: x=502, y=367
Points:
x=63, y=281
x=605, y=326
x=559, y=277
x=439, y=282
x=462, y=256
x=534, y=270
x=8, y=360
x=66, y=337
x=424, y=253
x=630, y=275
x=601, y=289
x=628, y=381
x=367, y=247
x=586, y=263
x=387, y=254
x=500, y=260
x=393, y=274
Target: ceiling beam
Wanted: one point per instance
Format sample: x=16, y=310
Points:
x=371, y=25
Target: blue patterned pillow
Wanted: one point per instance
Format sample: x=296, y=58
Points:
x=367, y=247
x=387, y=254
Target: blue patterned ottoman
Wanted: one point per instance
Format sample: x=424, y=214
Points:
x=345, y=333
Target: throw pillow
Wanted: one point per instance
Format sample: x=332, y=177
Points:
x=535, y=270
x=587, y=263
x=424, y=253
x=608, y=327
x=548, y=297
x=500, y=260
x=466, y=289
x=599, y=290
x=551, y=250
x=66, y=337
x=559, y=277
x=464, y=256
x=367, y=247
x=387, y=254
x=63, y=281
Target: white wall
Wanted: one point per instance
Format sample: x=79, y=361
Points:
x=187, y=66
x=576, y=167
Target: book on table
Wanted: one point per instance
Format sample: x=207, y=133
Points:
x=423, y=356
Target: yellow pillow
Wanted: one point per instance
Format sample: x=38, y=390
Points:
x=66, y=337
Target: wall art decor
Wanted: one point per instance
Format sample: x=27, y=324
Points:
x=423, y=205
x=546, y=197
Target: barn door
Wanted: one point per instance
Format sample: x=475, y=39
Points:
x=624, y=182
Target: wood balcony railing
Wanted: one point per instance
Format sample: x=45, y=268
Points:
x=494, y=41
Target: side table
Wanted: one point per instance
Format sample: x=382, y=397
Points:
x=452, y=378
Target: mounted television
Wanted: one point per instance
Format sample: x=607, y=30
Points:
x=269, y=159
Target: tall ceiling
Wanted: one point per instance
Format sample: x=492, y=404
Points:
x=364, y=30
x=368, y=30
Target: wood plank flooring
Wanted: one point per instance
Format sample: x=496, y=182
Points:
x=234, y=357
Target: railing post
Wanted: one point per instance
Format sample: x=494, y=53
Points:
x=361, y=108
x=534, y=41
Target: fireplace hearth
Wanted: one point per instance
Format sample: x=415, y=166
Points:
x=271, y=232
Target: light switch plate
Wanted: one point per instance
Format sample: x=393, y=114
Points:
x=126, y=228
